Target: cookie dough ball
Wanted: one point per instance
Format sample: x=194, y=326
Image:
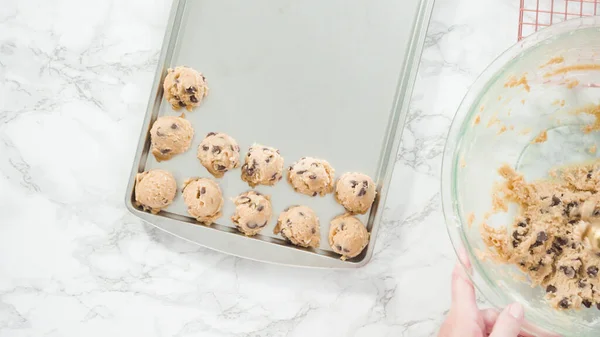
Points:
x=154, y=190
x=219, y=153
x=170, y=136
x=347, y=236
x=356, y=192
x=300, y=226
x=204, y=199
x=263, y=166
x=184, y=88
x=311, y=176
x=252, y=212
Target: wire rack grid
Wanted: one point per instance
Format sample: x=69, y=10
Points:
x=536, y=14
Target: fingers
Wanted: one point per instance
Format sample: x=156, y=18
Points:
x=463, y=292
x=489, y=318
x=509, y=321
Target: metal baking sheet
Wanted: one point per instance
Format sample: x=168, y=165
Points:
x=328, y=79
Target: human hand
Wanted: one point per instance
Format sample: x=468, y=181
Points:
x=466, y=320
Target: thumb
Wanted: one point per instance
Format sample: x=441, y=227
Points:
x=509, y=322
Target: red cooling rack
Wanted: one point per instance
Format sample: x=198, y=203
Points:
x=536, y=14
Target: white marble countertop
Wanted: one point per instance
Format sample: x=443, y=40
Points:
x=74, y=76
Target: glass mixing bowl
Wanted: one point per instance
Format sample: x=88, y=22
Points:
x=532, y=90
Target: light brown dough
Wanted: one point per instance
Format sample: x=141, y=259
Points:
x=356, y=192
x=219, y=153
x=170, y=136
x=347, y=236
x=263, y=166
x=300, y=226
x=184, y=88
x=546, y=240
x=204, y=199
x=311, y=176
x=252, y=212
x=154, y=190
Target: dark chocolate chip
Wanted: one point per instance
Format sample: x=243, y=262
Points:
x=564, y=303
x=301, y=172
x=181, y=104
x=274, y=176
x=265, y=149
x=252, y=225
x=596, y=212
x=338, y=247
x=260, y=208
x=165, y=151
x=290, y=168
x=314, y=194
x=315, y=164
x=365, y=183
x=158, y=133
x=216, y=149
x=581, y=284
x=589, y=175
x=205, y=147
x=268, y=160
x=569, y=207
x=515, y=243
x=346, y=250
x=263, y=225
x=289, y=222
x=221, y=168
x=313, y=230
x=568, y=271
x=522, y=224
x=203, y=190
x=174, y=126
x=587, y=303
x=244, y=200
x=551, y=289
x=353, y=183
x=516, y=235
x=313, y=176
x=562, y=241
x=572, y=222
x=191, y=90
x=362, y=192
x=534, y=268
x=573, y=245
x=193, y=99
x=592, y=271
x=555, y=201
x=542, y=237
x=301, y=214
x=211, y=134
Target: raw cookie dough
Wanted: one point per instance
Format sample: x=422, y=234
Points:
x=263, y=166
x=184, y=87
x=252, y=212
x=311, y=176
x=355, y=191
x=204, y=199
x=300, y=226
x=347, y=236
x=546, y=240
x=154, y=190
x=170, y=136
x=219, y=153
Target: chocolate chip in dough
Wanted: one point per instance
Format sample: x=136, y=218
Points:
x=312, y=230
x=181, y=104
x=569, y=271
x=314, y=194
x=193, y=99
x=165, y=151
x=274, y=176
x=191, y=90
x=522, y=224
x=353, y=183
x=216, y=149
x=587, y=303
x=338, y=247
x=313, y=176
x=221, y=168
x=174, y=126
x=564, y=303
x=515, y=243
x=252, y=225
x=210, y=134
x=205, y=147
x=592, y=271
x=551, y=289
x=555, y=201
x=260, y=208
x=301, y=172
x=362, y=192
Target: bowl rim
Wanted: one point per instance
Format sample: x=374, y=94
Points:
x=453, y=216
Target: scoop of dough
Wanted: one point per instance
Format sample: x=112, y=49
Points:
x=347, y=236
x=356, y=192
x=170, y=136
x=263, y=166
x=219, y=153
x=252, y=212
x=154, y=190
x=204, y=199
x=311, y=176
x=300, y=226
x=184, y=88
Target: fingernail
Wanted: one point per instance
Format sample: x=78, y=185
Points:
x=516, y=310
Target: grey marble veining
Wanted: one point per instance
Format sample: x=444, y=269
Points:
x=74, y=81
